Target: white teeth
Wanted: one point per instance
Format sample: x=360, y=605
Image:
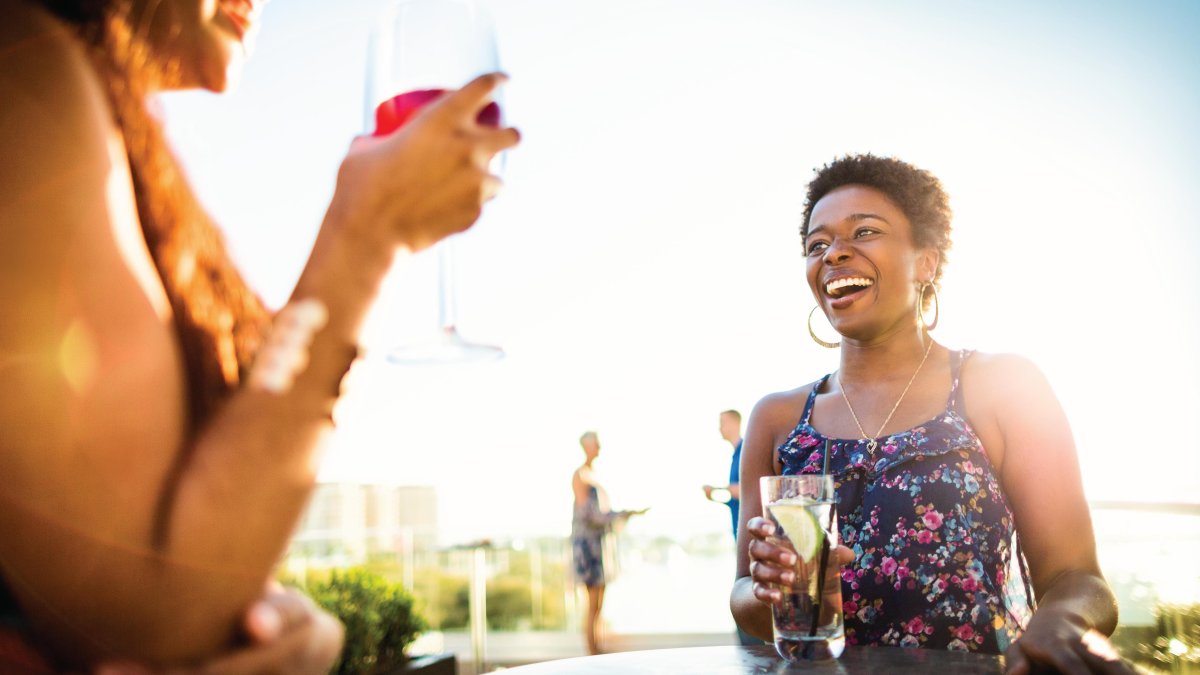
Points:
x=846, y=281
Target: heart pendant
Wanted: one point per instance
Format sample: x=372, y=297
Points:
x=871, y=445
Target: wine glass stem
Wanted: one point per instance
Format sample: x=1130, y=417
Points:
x=446, y=289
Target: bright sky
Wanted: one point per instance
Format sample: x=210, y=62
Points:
x=642, y=267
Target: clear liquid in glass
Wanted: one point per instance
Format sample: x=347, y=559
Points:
x=807, y=620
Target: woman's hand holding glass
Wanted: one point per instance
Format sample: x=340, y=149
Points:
x=772, y=565
x=430, y=178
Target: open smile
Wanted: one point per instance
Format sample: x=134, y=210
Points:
x=847, y=285
x=843, y=291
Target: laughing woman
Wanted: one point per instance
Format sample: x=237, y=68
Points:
x=952, y=468
x=159, y=427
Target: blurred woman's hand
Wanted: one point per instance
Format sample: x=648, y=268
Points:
x=286, y=634
x=428, y=180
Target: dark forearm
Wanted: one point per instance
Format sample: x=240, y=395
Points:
x=1082, y=597
x=749, y=612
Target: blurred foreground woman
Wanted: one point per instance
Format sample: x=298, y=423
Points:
x=160, y=428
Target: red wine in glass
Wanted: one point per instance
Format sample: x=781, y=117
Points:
x=398, y=110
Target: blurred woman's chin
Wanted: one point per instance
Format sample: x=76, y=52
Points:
x=219, y=71
x=221, y=76
x=231, y=77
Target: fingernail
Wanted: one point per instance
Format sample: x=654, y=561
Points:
x=787, y=578
x=788, y=559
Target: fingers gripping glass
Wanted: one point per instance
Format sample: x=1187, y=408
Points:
x=419, y=49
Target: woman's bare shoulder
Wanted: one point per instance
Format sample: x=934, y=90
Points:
x=1003, y=392
x=783, y=402
x=778, y=413
x=53, y=99
x=25, y=19
x=58, y=151
x=33, y=42
x=55, y=124
x=999, y=373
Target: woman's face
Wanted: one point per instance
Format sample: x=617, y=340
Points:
x=203, y=42
x=591, y=447
x=862, y=266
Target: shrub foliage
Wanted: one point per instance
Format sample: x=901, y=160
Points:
x=378, y=615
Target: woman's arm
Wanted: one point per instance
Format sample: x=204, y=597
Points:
x=768, y=563
x=93, y=411
x=593, y=516
x=1029, y=439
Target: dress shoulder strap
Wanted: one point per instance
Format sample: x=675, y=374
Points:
x=812, y=397
x=957, y=359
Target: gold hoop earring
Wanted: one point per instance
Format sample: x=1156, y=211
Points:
x=937, y=307
x=813, y=334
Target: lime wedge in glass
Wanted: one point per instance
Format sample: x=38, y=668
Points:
x=800, y=526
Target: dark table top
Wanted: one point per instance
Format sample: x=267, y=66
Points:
x=739, y=660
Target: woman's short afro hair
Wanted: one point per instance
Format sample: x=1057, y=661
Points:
x=916, y=192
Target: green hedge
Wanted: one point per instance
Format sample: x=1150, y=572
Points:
x=378, y=615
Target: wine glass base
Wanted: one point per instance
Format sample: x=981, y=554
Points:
x=448, y=348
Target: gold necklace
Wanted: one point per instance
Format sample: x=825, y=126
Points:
x=871, y=442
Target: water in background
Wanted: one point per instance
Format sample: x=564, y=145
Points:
x=1148, y=557
x=669, y=587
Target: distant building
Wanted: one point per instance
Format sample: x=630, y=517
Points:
x=347, y=523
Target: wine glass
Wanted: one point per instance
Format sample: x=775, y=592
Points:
x=418, y=50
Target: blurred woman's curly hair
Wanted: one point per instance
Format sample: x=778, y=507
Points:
x=916, y=192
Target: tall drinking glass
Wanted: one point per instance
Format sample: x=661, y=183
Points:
x=807, y=620
x=419, y=49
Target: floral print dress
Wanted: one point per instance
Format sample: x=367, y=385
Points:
x=936, y=560
x=593, y=541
